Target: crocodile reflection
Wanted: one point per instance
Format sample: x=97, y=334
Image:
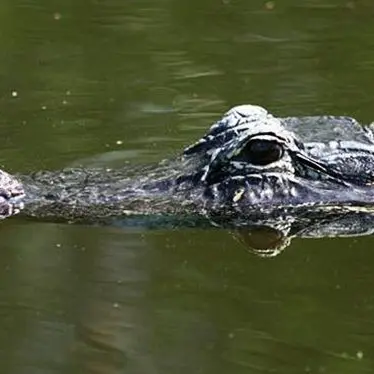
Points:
x=270, y=238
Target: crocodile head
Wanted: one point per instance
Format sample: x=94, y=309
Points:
x=251, y=160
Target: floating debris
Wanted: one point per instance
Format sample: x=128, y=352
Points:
x=269, y=5
x=360, y=355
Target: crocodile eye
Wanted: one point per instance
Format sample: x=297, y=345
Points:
x=261, y=152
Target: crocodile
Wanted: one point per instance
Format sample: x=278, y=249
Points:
x=250, y=165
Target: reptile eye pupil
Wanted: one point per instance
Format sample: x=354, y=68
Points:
x=262, y=152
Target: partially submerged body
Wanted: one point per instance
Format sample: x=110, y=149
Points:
x=250, y=164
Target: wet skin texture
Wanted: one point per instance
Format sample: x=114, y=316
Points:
x=249, y=162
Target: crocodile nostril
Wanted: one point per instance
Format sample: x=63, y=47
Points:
x=50, y=196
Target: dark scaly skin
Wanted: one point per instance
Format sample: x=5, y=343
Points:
x=327, y=164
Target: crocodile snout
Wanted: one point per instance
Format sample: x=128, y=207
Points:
x=11, y=195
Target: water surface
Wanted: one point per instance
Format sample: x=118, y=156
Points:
x=136, y=81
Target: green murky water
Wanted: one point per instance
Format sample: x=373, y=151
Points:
x=137, y=81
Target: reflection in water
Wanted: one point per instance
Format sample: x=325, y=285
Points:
x=264, y=241
x=75, y=304
x=103, y=300
x=109, y=318
x=268, y=237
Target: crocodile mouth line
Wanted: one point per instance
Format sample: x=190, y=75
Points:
x=11, y=206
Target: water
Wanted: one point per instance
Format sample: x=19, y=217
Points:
x=136, y=81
